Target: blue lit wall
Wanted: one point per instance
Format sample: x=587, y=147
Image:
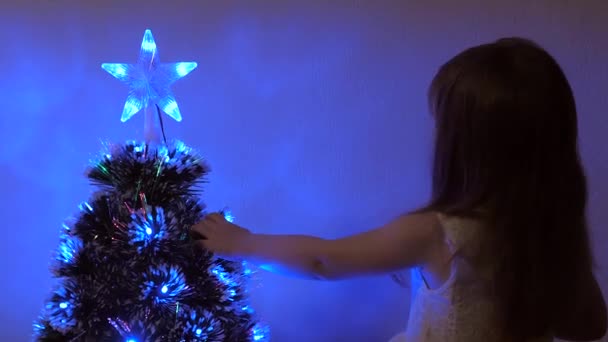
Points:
x=313, y=117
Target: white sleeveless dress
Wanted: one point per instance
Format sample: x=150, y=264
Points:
x=459, y=310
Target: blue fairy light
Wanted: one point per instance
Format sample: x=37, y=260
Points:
x=60, y=311
x=228, y=215
x=201, y=325
x=180, y=147
x=69, y=248
x=162, y=152
x=259, y=332
x=86, y=207
x=131, y=340
x=39, y=328
x=164, y=284
x=246, y=269
x=223, y=276
x=226, y=279
x=145, y=228
x=149, y=81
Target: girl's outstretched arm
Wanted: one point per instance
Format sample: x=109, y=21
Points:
x=402, y=243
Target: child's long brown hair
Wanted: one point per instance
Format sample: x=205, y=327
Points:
x=506, y=141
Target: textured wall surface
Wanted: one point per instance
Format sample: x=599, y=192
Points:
x=312, y=114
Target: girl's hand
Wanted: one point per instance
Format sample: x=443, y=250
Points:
x=225, y=239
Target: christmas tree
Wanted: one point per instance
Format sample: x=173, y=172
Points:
x=126, y=267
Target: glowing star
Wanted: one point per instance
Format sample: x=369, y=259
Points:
x=149, y=81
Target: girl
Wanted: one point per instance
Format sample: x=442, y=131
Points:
x=503, y=245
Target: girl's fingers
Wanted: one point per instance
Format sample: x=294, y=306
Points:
x=204, y=226
x=202, y=243
x=215, y=217
x=207, y=245
x=202, y=229
x=194, y=235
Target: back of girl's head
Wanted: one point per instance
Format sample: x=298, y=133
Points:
x=506, y=149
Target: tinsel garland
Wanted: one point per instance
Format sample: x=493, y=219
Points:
x=127, y=268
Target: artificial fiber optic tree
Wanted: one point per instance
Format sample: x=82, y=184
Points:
x=126, y=266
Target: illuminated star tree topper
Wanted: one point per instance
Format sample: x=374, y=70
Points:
x=149, y=84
